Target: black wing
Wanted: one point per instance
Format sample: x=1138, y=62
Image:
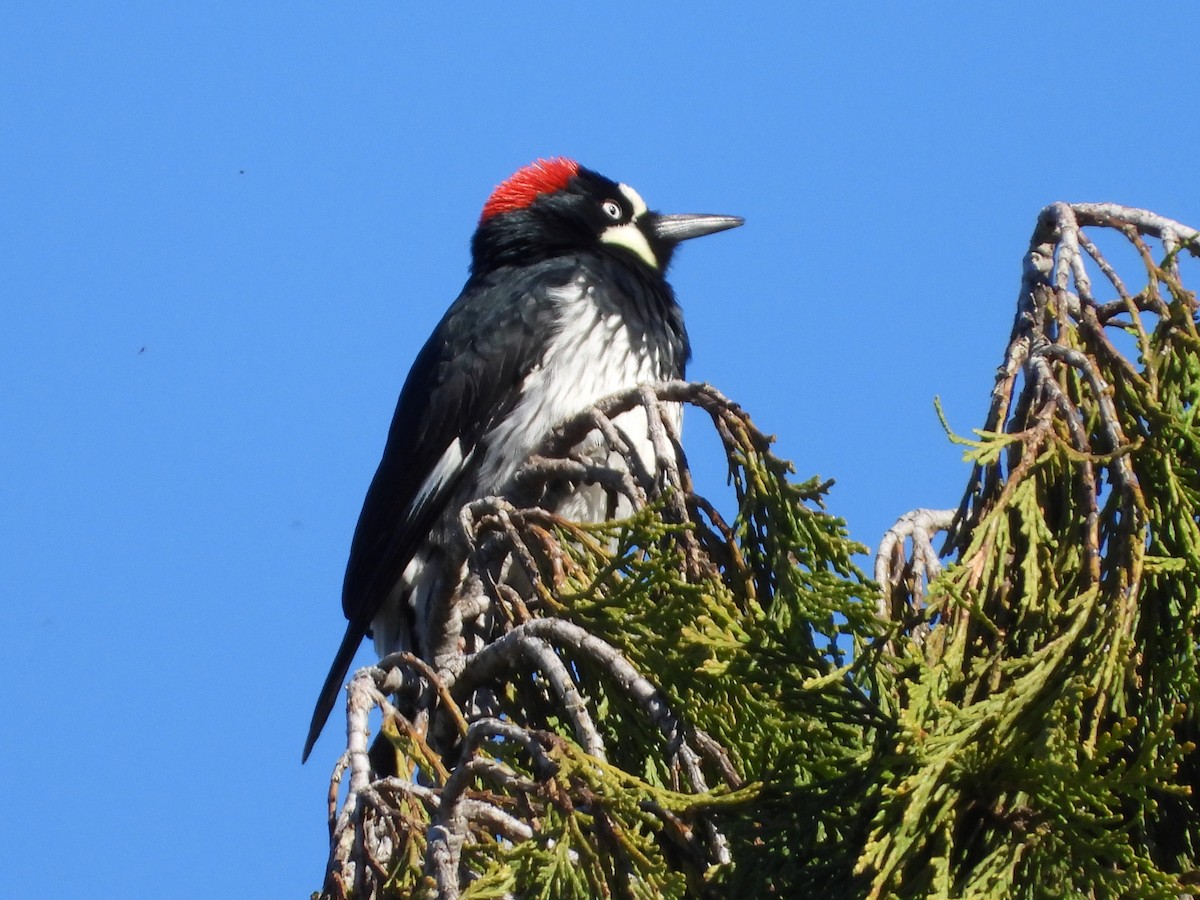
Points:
x=465, y=379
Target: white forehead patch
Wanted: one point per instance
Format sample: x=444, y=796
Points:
x=635, y=200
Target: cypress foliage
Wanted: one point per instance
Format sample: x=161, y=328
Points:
x=1046, y=725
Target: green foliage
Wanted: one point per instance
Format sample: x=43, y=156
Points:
x=1047, y=724
x=752, y=652
x=767, y=680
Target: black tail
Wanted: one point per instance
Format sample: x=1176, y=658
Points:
x=334, y=682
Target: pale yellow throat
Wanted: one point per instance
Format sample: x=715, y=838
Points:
x=628, y=235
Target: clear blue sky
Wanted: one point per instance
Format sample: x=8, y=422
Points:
x=227, y=227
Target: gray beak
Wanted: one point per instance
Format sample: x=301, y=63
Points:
x=691, y=225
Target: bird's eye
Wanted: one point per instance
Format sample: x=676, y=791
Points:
x=612, y=209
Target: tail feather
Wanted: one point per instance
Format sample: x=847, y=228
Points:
x=334, y=682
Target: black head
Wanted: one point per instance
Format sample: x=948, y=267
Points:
x=556, y=206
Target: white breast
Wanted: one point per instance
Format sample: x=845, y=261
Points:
x=590, y=356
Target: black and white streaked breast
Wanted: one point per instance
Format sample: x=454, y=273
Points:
x=596, y=349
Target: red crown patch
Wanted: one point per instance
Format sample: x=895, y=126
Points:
x=545, y=176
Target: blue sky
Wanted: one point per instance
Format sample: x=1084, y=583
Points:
x=228, y=227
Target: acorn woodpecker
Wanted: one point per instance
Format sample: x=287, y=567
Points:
x=566, y=303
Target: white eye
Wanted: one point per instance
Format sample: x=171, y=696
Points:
x=612, y=209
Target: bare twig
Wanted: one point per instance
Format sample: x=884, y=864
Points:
x=892, y=570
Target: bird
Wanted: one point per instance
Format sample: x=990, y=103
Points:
x=566, y=302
